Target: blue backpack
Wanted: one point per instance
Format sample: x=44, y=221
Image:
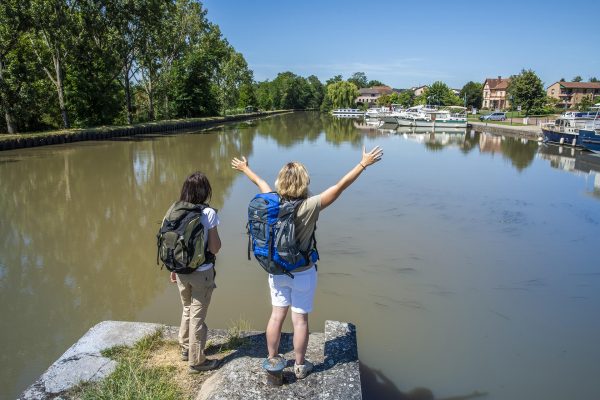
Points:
x=272, y=237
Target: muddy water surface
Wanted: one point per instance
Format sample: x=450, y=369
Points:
x=467, y=261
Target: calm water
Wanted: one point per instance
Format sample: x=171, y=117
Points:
x=467, y=262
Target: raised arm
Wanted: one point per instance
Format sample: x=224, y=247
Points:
x=242, y=165
x=330, y=195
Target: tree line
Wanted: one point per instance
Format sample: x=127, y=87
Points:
x=76, y=63
x=81, y=63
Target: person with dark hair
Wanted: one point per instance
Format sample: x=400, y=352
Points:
x=298, y=292
x=196, y=288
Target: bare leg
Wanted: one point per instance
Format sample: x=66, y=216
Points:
x=274, y=329
x=300, y=322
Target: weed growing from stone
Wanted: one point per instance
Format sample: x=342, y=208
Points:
x=235, y=332
x=133, y=378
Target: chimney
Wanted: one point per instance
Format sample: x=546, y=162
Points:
x=499, y=77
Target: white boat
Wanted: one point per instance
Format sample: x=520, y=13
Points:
x=376, y=112
x=348, y=112
x=432, y=117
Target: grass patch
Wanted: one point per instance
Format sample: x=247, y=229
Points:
x=153, y=369
x=134, y=378
x=235, y=338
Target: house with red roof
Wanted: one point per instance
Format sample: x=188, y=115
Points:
x=571, y=93
x=495, y=95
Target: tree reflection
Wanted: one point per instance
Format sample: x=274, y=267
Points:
x=77, y=235
x=290, y=129
x=520, y=152
x=341, y=130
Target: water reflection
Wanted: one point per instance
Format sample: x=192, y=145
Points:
x=76, y=232
x=441, y=258
x=574, y=161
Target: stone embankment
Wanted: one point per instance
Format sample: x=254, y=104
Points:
x=334, y=354
x=527, y=131
x=10, y=142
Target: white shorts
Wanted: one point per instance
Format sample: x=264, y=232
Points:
x=298, y=292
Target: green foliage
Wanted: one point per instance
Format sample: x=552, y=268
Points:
x=375, y=82
x=405, y=99
x=593, y=79
x=439, y=94
x=578, y=78
x=290, y=91
x=549, y=105
x=587, y=102
x=131, y=378
x=92, y=63
x=359, y=79
x=337, y=78
x=342, y=94
x=527, y=91
x=473, y=93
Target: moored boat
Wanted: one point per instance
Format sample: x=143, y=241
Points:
x=345, y=112
x=432, y=117
x=567, y=128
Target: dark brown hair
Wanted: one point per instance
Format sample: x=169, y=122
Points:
x=196, y=189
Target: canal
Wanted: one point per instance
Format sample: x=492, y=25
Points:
x=467, y=261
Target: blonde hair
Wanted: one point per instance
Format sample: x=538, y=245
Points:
x=292, y=181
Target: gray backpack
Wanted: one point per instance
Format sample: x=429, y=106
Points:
x=182, y=247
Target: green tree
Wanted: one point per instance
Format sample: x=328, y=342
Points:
x=342, y=94
x=92, y=68
x=439, y=94
x=587, y=102
x=359, y=79
x=52, y=39
x=13, y=23
x=263, y=95
x=384, y=100
x=593, y=79
x=337, y=78
x=317, y=92
x=406, y=98
x=578, y=78
x=375, y=82
x=472, y=92
x=527, y=90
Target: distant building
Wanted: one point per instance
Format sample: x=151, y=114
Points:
x=418, y=90
x=571, y=93
x=370, y=95
x=494, y=93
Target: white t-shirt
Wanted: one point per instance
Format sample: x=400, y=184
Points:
x=209, y=220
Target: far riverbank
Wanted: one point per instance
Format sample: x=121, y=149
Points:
x=10, y=142
x=527, y=131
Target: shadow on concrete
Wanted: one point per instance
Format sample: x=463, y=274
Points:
x=377, y=386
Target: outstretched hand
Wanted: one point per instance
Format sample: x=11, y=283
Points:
x=372, y=156
x=238, y=164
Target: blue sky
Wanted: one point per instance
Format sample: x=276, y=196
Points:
x=406, y=43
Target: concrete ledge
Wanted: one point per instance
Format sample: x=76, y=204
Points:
x=529, y=131
x=334, y=354
x=83, y=362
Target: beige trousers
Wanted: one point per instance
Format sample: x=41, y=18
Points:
x=195, y=290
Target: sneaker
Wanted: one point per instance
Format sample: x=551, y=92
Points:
x=184, y=355
x=205, y=366
x=303, y=370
